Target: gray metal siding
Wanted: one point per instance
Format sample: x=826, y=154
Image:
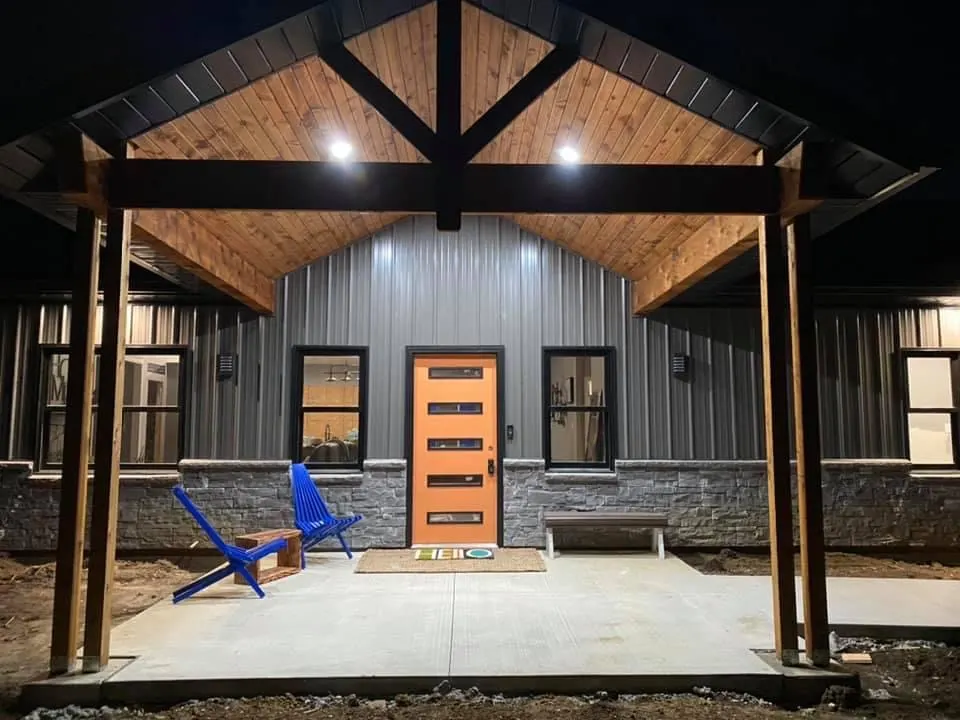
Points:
x=494, y=284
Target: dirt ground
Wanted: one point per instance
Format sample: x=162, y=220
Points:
x=26, y=605
x=729, y=562
x=901, y=684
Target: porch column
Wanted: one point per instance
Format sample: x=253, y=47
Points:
x=773, y=310
x=806, y=422
x=106, y=478
x=76, y=445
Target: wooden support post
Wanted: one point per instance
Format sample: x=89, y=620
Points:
x=106, y=478
x=806, y=420
x=76, y=446
x=773, y=308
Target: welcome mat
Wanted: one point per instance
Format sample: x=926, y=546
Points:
x=453, y=553
x=405, y=561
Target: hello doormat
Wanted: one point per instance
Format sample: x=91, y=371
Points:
x=453, y=554
x=408, y=561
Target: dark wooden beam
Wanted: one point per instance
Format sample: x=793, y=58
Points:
x=450, y=180
x=106, y=476
x=76, y=446
x=411, y=187
x=776, y=422
x=518, y=98
x=394, y=110
x=806, y=423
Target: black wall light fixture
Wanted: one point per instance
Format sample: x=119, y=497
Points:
x=680, y=365
x=225, y=366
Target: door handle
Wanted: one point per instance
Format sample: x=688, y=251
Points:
x=491, y=467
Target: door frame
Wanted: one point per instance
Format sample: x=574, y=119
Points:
x=412, y=353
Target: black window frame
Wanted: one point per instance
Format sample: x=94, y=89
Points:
x=953, y=354
x=183, y=394
x=298, y=409
x=608, y=410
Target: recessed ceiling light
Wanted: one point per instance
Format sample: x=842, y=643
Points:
x=341, y=150
x=568, y=154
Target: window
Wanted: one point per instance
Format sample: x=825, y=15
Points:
x=932, y=406
x=329, y=421
x=579, y=428
x=152, y=410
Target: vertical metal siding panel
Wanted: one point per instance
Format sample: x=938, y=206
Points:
x=530, y=353
x=893, y=439
x=379, y=324
x=225, y=391
x=274, y=375
x=658, y=386
x=827, y=369
x=722, y=419
x=492, y=305
x=204, y=395
x=601, y=322
x=678, y=341
x=511, y=269
x=847, y=338
x=248, y=399
x=700, y=384
x=404, y=275
x=871, y=419
x=358, y=326
x=573, y=303
x=553, y=285
x=638, y=374
x=446, y=293
x=469, y=280
x=425, y=246
x=747, y=399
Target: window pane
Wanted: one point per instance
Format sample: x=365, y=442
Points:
x=57, y=379
x=929, y=383
x=455, y=373
x=331, y=381
x=454, y=518
x=331, y=437
x=577, y=380
x=931, y=439
x=147, y=437
x=151, y=380
x=577, y=437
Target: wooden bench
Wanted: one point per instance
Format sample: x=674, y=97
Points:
x=288, y=559
x=656, y=522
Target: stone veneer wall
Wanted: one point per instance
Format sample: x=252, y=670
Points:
x=724, y=503
x=237, y=496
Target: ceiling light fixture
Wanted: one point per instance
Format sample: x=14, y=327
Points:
x=569, y=154
x=341, y=150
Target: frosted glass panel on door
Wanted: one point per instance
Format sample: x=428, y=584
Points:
x=931, y=438
x=929, y=381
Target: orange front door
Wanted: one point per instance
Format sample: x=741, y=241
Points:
x=454, y=471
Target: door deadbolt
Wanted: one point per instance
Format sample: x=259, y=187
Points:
x=491, y=467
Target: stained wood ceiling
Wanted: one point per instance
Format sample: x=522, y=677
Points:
x=298, y=112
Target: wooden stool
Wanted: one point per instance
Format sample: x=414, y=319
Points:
x=288, y=559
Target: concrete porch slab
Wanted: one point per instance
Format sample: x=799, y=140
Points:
x=625, y=622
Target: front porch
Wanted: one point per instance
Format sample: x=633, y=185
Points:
x=616, y=622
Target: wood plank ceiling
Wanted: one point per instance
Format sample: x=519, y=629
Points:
x=298, y=112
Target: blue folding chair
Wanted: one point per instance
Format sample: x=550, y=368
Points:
x=237, y=558
x=312, y=517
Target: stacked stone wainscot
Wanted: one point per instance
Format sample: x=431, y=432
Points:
x=867, y=503
x=237, y=496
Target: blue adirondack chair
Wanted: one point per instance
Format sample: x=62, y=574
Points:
x=312, y=517
x=237, y=559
